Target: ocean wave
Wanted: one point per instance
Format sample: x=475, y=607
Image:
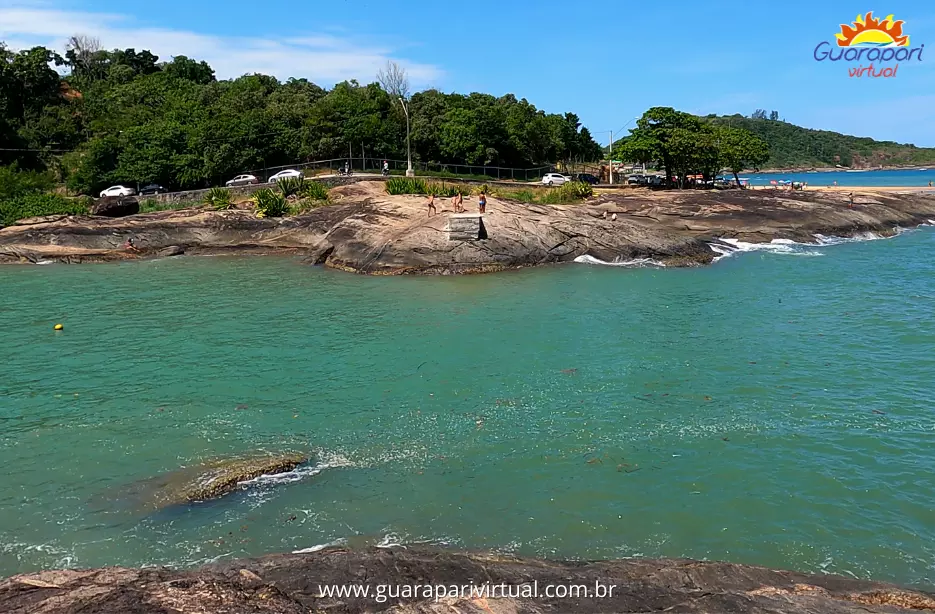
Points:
x=325, y=461
x=857, y=238
x=787, y=247
x=317, y=547
x=633, y=263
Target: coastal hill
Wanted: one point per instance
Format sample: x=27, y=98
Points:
x=792, y=146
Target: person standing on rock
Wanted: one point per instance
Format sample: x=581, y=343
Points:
x=850, y=200
x=431, y=205
x=482, y=203
x=458, y=202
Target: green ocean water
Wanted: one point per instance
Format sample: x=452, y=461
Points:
x=773, y=408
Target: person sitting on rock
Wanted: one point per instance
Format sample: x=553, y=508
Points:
x=431, y=204
x=130, y=246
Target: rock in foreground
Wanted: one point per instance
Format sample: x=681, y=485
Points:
x=289, y=584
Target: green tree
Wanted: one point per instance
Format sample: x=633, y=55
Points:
x=740, y=149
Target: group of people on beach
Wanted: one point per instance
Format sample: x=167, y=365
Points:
x=457, y=203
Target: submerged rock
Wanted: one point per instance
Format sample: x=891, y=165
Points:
x=287, y=584
x=172, y=250
x=208, y=480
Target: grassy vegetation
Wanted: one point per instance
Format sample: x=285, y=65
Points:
x=34, y=205
x=415, y=185
x=450, y=175
x=568, y=193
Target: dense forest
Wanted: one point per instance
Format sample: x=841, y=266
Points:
x=792, y=146
x=122, y=116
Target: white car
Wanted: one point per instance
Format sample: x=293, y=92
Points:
x=241, y=180
x=118, y=190
x=286, y=174
x=555, y=179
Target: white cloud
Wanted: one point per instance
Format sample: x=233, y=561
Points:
x=322, y=58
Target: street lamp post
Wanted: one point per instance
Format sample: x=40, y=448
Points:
x=409, y=171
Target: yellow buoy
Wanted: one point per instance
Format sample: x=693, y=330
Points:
x=59, y=327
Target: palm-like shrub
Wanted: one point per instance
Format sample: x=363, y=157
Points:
x=314, y=190
x=269, y=203
x=219, y=198
x=290, y=186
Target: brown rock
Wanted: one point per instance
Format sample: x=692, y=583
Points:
x=368, y=231
x=290, y=585
x=116, y=206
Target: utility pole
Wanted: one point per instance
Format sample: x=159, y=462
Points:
x=610, y=158
x=409, y=171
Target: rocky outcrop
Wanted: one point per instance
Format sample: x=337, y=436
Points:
x=291, y=584
x=208, y=480
x=367, y=231
x=116, y=206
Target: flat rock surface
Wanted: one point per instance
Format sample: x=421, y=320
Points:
x=367, y=231
x=290, y=584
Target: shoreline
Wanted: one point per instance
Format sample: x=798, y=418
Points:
x=451, y=581
x=366, y=231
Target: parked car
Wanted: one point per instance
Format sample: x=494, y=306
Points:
x=555, y=179
x=586, y=178
x=636, y=180
x=242, y=180
x=286, y=174
x=153, y=188
x=118, y=190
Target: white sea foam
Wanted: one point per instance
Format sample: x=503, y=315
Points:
x=858, y=238
x=325, y=461
x=634, y=263
x=317, y=547
x=787, y=247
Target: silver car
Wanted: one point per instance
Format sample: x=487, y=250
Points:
x=242, y=180
x=555, y=179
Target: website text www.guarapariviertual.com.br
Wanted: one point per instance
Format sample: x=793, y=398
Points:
x=381, y=593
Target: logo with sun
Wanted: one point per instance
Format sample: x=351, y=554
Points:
x=868, y=31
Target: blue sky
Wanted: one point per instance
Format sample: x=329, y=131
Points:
x=606, y=61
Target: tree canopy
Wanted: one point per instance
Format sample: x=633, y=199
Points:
x=124, y=116
x=685, y=144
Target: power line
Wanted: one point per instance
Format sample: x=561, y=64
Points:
x=40, y=150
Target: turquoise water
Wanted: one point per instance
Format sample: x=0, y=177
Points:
x=727, y=412
x=900, y=178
